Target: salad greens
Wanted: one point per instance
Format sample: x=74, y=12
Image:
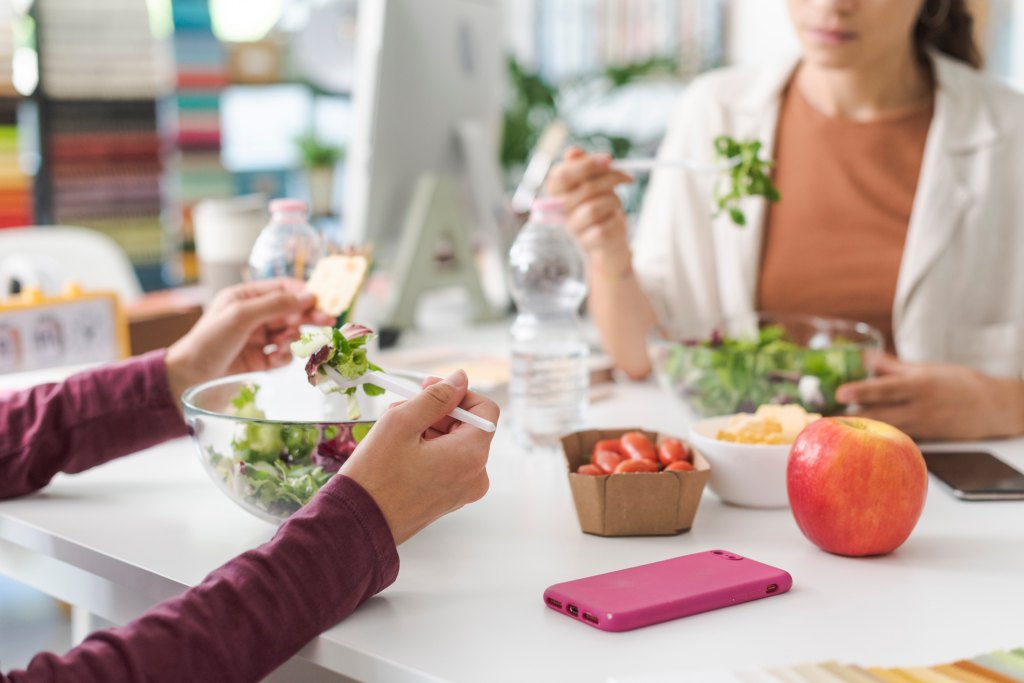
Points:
x=343, y=349
x=279, y=467
x=723, y=375
x=750, y=177
x=276, y=466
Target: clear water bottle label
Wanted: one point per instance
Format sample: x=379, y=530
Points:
x=548, y=395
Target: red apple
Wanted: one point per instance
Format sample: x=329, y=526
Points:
x=856, y=486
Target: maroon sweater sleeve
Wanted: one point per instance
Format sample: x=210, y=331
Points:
x=84, y=421
x=252, y=614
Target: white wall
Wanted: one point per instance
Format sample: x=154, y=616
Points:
x=1016, y=39
x=520, y=27
x=758, y=30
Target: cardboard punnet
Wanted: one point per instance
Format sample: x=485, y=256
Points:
x=638, y=504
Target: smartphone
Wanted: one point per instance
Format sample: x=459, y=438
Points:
x=639, y=596
x=976, y=475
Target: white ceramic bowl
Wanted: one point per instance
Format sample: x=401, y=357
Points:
x=751, y=475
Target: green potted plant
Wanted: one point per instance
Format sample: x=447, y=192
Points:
x=534, y=103
x=319, y=159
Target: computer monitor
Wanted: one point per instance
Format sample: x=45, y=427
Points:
x=428, y=101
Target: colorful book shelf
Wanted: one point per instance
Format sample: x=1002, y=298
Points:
x=15, y=184
x=202, y=74
x=101, y=76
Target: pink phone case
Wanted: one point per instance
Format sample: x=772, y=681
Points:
x=656, y=592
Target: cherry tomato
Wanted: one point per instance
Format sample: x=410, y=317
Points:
x=607, y=460
x=673, y=450
x=609, y=445
x=638, y=447
x=679, y=466
x=591, y=469
x=627, y=466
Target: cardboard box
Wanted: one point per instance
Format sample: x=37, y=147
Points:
x=639, y=504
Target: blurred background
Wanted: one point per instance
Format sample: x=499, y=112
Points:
x=122, y=116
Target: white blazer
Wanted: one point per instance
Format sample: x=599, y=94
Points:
x=960, y=291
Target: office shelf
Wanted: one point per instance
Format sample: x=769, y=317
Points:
x=15, y=183
x=102, y=75
x=201, y=75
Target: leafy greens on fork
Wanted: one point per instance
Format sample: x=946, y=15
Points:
x=344, y=350
x=751, y=177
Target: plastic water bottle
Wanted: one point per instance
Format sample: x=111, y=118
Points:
x=288, y=246
x=549, y=383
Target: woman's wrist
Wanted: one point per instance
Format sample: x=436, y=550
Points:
x=180, y=374
x=611, y=266
x=1014, y=402
x=1005, y=406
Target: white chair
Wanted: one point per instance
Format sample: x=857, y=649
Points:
x=48, y=257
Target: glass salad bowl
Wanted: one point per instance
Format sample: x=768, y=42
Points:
x=771, y=358
x=270, y=441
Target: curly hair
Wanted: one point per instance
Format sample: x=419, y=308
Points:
x=948, y=26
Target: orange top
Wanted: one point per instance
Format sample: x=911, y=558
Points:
x=833, y=243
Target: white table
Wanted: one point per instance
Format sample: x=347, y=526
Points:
x=467, y=604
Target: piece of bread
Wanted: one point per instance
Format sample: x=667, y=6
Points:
x=336, y=281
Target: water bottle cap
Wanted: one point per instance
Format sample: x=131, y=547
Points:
x=288, y=206
x=547, y=204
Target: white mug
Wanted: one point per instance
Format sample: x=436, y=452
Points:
x=225, y=230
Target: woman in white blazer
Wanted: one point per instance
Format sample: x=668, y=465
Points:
x=958, y=309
